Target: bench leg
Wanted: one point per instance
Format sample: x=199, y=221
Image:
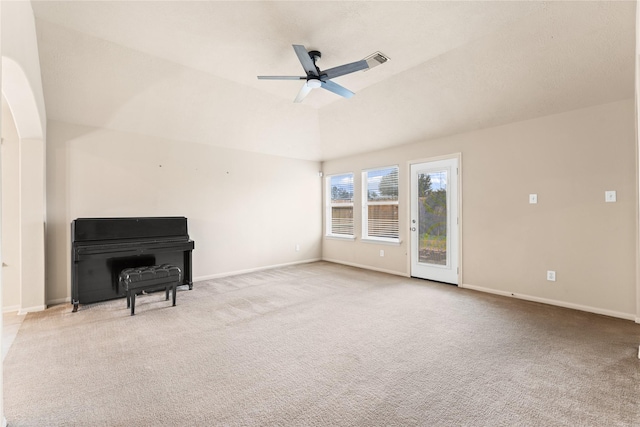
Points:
x=174, y=289
x=131, y=295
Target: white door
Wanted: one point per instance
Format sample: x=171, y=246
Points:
x=434, y=220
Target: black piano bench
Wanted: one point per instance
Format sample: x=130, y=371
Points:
x=155, y=277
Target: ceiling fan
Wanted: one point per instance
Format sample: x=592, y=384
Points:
x=316, y=78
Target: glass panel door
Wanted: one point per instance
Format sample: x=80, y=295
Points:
x=434, y=220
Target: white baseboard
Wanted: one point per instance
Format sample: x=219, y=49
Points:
x=589, y=309
x=211, y=276
x=366, y=267
x=10, y=308
x=252, y=270
x=32, y=309
x=58, y=301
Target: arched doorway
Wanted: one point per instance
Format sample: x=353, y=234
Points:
x=31, y=185
x=10, y=213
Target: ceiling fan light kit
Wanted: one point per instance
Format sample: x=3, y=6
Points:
x=315, y=78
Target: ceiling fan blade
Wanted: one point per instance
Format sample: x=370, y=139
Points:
x=345, y=69
x=304, y=91
x=305, y=60
x=281, y=78
x=337, y=89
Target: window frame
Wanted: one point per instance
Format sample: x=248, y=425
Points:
x=330, y=204
x=366, y=203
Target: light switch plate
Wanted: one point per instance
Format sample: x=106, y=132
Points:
x=610, y=196
x=533, y=199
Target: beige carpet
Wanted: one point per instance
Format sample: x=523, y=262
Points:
x=323, y=345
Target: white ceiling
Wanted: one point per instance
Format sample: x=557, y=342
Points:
x=187, y=70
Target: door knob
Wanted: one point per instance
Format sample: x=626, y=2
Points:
x=413, y=229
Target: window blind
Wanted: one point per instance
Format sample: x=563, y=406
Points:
x=380, y=204
x=340, y=212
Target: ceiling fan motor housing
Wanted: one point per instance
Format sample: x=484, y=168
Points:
x=315, y=55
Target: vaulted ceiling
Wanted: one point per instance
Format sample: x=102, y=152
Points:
x=187, y=70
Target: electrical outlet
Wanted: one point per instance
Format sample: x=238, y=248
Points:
x=297, y=247
x=533, y=199
x=610, y=196
x=381, y=252
x=551, y=276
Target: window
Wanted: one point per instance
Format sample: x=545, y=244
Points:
x=380, y=204
x=339, y=205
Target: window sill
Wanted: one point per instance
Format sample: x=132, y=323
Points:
x=383, y=242
x=336, y=237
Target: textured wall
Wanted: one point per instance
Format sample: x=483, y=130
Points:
x=245, y=210
x=569, y=160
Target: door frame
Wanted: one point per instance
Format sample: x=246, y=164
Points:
x=458, y=157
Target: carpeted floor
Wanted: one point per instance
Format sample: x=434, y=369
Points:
x=323, y=345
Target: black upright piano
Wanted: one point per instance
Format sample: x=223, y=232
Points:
x=102, y=247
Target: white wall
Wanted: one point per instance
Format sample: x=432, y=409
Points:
x=637, y=95
x=245, y=210
x=32, y=224
x=19, y=43
x=10, y=212
x=569, y=160
x=22, y=88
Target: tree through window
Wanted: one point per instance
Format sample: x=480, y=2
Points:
x=380, y=204
x=339, y=214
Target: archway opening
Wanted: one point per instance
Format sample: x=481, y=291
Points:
x=30, y=260
x=10, y=178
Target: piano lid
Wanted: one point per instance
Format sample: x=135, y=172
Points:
x=134, y=228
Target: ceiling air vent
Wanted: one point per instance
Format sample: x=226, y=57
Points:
x=376, y=59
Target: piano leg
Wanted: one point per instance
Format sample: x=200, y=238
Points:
x=75, y=306
x=190, y=286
